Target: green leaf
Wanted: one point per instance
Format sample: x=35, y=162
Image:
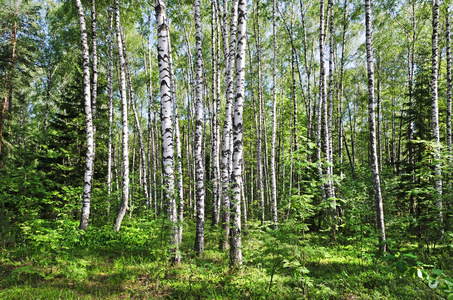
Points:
x=409, y=255
x=401, y=266
x=450, y=297
x=437, y=272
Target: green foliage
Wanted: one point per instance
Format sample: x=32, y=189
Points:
x=407, y=265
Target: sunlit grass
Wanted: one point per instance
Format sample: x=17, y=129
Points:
x=103, y=265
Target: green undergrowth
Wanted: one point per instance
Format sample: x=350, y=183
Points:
x=56, y=261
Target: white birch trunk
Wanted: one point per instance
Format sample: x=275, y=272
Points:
x=199, y=237
x=448, y=90
x=259, y=137
x=125, y=123
x=179, y=179
x=274, y=118
x=167, y=124
x=89, y=158
x=372, y=121
x=95, y=77
x=435, y=112
x=110, y=105
x=226, y=145
x=236, y=239
x=321, y=99
x=215, y=114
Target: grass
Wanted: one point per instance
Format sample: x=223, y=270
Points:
x=134, y=264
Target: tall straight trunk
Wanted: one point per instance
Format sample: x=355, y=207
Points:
x=340, y=99
x=257, y=140
x=330, y=105
x=167, y=125
x=378, y=117
x=179, y=178
x=110, y=96
x=215, y=115
x=199, y=237
x=94, y=86
x=412, y=123
x=125, y=123
x=226, y=145
x=236, y=174
x=372, y=121
x=435, y=112
x=89, y=158
x=448, y=89
x=321, y=102
x=148, y=71
x=274, y=117
x=259, y=137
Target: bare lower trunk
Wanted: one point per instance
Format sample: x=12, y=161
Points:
x=199, y=237
x=226, y=145
x=167, y=125
x=435, y=112
x=372, y=121
x=274, y=119
x=125, y=123
x=236, y=239
x=110, y=105
x=89, y=121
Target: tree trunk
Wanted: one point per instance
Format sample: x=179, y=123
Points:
x=94, y=86
x=89, y=160
x=199, y=237
x=179, y=178
x=372, y=121
x=329, y=154
x=167, y=125
x=226, y=147
x=236, y=240
x=321, y=104
x=435, y=112
x=125, y=123
x=259, y=136
x=340, y=100
x=274, y=118
x=110, y=105
x=215, y=114
x=448, y=94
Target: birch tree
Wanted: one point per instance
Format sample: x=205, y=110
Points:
x=274, y=116
x=199, y=237
x=215, y=113
x=447, y=33
x=236, y=240
x=89, y=158
x=435, y=111
x=124, y=206
x=110, y=106
x=167, y=125
x=372, y=121
x=226, y=147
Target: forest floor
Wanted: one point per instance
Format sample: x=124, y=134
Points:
x=134, y=264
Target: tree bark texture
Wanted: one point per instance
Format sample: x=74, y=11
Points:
x=236, y=239
x=89, y=158
x=199, y=236
x=372, y=121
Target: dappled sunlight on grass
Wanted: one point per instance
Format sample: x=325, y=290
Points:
x=106, y=265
